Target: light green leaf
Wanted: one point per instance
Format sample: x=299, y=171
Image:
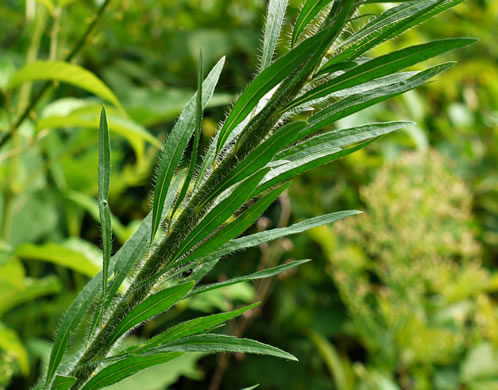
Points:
x=134, y=133
x=382, y=66
x=61, y=255
x=265, y=82
x=219, y=343
x=220, y=213
x=308, y=12
x=251, y=387
x=64, y=72
x=48, y=4
x=274, y=20
x=192, y=327
x=358, y=102
x=257, y=275
x=104, y=177
x=237, y=227
x=176, y=144
x=149, y=308
x=125, y=368
x=63, y=382
x=10, y=342
x=269, y=235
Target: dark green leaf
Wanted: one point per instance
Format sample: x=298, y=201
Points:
x=257, y=275
x=149, y=308
x=309, y=11
x=63, y=382
x=176, y=144
x=125, y=368
x=219, y=343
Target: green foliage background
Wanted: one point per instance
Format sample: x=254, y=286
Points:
x=403, y=297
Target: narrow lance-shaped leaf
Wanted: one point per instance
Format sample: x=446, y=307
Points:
x=309, y=11
x=382, y=66
x=391, y=23
x=269, y=235
x=218, y=343
x=265, y=82
x=266, y=273
x=197, y=136
x=274, y=20
x=123, y=369
x=149, y=308
x=190, y=328
x=355, y=103
x=176, y=143
x=221, y=212
x=261, y=155
x=103, y=193
x=238, y=226
x=63, y=382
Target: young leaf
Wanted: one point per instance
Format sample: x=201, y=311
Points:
x=124, y=368
x=269, y=235
x=150, y=307
x=274, y=20
x=358, y=102
x=176, y=144
x=65, y=72
x=197, y=136
x=265, y=82
x=257, y=275
x=103, y=193
x=190, y=328
x=237, y=227
x=63, y=382
x=218, y=343
x=309, y=11
x=382, y=66
x=221, y=212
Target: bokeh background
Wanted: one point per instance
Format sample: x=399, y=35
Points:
x=402, y=297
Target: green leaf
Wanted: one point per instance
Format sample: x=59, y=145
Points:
x=257, y=275
x=309, y=11
x=358, y=102
x=332, y=140
x=48, y=4
x=334, y=67
x=64, y=72
x=125, y=368
x=176, y=144
x=63, y=382
x=251, y=387
x=219, y=343
x=390, y=24
x=103, y=194
x=149, y=308
x=269, y=235
x=10, y=342
x=237, y=227
x=382, y=66
x=220, y=213
x=192, y=327
x=265, y=82
x=61, y=255
x=131, y=131
x=70, y=321
x=261, y=155
x=197, y=136
x=274, y=20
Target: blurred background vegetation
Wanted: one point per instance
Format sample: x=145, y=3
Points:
x=402, y=297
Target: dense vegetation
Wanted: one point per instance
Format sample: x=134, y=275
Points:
x=401, y=297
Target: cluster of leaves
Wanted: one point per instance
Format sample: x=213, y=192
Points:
x=254, y=155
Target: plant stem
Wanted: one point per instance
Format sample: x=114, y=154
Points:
x=34, y=101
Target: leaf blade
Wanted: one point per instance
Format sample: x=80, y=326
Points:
x=273, y=25
x=308, y=12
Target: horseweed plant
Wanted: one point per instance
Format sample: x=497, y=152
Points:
x=255, y=155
